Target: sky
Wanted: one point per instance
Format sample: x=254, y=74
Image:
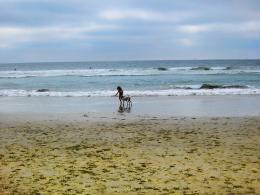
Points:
x=87, y=30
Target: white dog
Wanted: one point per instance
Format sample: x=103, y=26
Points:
x=128, y=100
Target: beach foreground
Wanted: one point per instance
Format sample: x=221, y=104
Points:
x=139, y=156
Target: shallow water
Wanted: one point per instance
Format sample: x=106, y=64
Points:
x=190, y=106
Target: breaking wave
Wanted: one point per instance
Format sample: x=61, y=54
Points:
x=124, y=72
x=184, y=91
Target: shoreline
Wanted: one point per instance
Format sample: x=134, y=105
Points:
x=92, y=108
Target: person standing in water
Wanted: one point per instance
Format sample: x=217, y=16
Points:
x=120, y=92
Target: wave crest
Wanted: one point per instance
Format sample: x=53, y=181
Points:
x=110, y=93
x=124, y=72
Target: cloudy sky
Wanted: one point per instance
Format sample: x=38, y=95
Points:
x=78, y=30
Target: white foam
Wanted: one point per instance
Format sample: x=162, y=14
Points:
x=109, y=93
x=219, y=68
x=83, y=72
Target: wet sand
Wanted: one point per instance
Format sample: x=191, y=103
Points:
x=139, y=156
x=162, y=106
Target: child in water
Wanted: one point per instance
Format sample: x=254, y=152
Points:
x=120, y=92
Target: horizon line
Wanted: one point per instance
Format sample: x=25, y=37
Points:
x=132, y=60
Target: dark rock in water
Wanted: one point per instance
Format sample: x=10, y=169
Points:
x=213, y=86
x=201, y=68
x=43, y=90
x=236, y=86
x=162, y=69
x=210, y=86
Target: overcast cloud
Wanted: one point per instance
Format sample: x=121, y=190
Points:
x=78, y=30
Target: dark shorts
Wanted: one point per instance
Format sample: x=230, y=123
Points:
x=120, y=95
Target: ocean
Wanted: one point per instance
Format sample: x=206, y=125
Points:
x=137, y=78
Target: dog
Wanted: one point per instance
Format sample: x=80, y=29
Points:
x=128, y=100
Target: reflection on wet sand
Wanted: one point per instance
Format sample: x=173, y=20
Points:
x=124, y=109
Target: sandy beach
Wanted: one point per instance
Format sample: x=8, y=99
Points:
x=130, y=97
x=175, y=155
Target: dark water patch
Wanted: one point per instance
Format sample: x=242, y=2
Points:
x=42, y=90
x=201, y=68
x=162, y=68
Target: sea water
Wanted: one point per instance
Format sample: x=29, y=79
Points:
x=137, y=78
